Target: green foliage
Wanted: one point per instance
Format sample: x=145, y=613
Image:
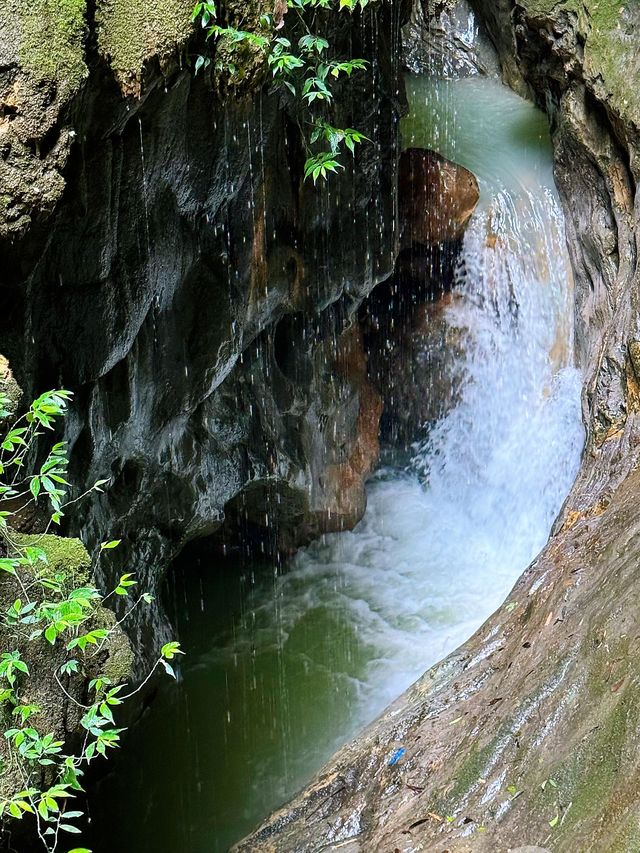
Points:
x=10, y=665
x=301, y=67
x=167, y=653
x=56, y=611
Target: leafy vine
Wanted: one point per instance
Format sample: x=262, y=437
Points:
x=54, y=617
x=302, y=67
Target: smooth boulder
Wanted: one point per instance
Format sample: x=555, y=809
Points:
x=437, y=198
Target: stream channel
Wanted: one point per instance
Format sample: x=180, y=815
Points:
x=286, y=663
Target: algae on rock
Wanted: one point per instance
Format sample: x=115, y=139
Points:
x=51, y=41
x=129, y=34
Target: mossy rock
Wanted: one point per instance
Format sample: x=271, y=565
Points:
x=67, y=557
x=119, y=663
x=58, y=713
x=131, y=33
x=52, y=34
x=608, y=30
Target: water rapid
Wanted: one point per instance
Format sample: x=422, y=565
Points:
x=285, y=666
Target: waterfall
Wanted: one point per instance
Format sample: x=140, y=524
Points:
x=443, y=541
x=284, y=668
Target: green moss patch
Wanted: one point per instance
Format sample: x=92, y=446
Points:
x=611, y=60
x=52, y=40
x=592, y=784
x=67, y=557
x=130, y=33
x=611, y=54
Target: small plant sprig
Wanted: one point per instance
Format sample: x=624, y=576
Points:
x=300, y=65
x=52, y=609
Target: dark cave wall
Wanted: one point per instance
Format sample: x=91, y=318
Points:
x=199, y=298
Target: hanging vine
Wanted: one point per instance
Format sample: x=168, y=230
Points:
x=302, y=67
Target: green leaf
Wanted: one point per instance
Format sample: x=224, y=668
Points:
x=71, y=666
x=170, y=650
x=106, y=712
x=169, y=669
x=9, y=566
x=202, y=62
x=105, y=546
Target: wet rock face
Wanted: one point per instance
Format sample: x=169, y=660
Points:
x=196, y=294
x=341, y=498
x=444, y=39
x=414, y=350
x=323, y=412
x=424, y=383
x=436, y=196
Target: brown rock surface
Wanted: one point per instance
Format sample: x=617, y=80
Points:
x=436, y=197
x=9, y=388
x=343, y=484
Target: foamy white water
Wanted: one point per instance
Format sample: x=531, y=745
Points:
x=441, y=544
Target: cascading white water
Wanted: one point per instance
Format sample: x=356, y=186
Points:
x=442, y=543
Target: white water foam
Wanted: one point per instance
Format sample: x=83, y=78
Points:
x=441, y=544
